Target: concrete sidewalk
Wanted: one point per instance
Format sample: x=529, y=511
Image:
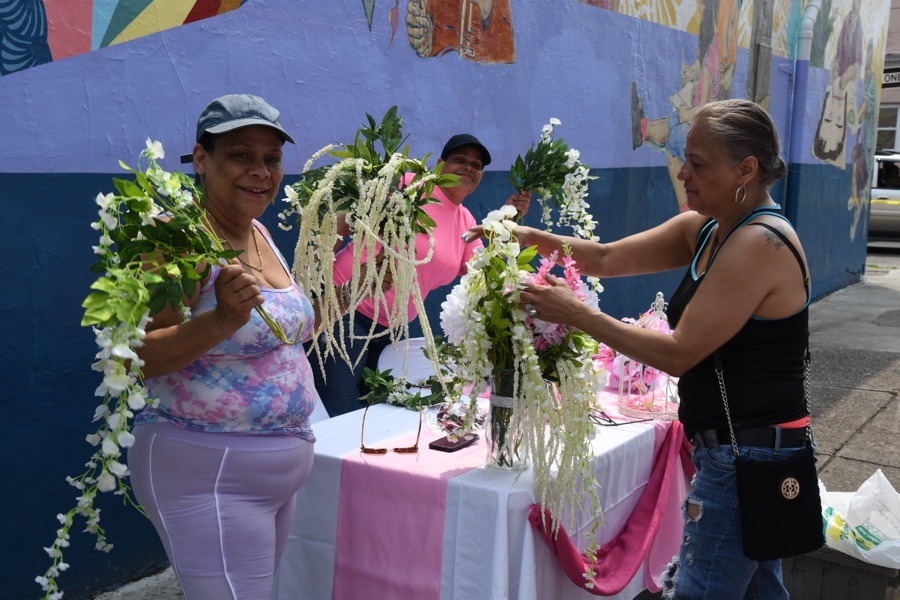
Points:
x=855, y=378
x=854, y=382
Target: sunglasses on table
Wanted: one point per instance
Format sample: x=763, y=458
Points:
x=402, y=450
x=599, y=417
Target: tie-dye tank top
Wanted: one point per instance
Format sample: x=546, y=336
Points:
x=250, y=383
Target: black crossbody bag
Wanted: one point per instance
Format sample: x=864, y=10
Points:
x=781, y=511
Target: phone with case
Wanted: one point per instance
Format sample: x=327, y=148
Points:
x=445, y=445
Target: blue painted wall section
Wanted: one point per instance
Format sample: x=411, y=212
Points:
x=47, y=390
x=65, y=124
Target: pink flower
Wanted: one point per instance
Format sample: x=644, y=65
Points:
x=604, y=356
x=550, y=335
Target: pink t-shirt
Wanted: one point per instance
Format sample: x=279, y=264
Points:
x=447, y=262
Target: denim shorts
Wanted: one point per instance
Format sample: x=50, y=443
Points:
x=711, y=564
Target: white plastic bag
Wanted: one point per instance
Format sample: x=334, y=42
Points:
x=865, y=524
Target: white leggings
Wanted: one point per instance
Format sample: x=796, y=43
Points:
x=222, y=504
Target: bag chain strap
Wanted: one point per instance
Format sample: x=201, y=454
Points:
x=720, y=375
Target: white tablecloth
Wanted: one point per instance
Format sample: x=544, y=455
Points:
x=489, y=549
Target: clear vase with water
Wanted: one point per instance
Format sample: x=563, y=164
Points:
x=503, y=438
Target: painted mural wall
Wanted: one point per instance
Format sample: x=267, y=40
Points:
x=35, y=32
x=836, y=97
x=86, y=83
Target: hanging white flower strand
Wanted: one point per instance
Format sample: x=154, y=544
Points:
x=141, y=270
x=383, y=209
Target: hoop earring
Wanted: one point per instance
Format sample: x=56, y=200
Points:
x=740, y=195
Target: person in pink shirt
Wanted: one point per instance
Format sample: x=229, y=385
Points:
x=465, y=156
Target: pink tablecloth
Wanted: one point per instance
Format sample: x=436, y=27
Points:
x=391, y=520
x=439, y=526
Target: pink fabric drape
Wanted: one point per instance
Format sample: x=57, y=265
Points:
x=391, y=521
x=619, y=559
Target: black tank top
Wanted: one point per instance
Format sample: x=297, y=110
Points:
x=763, y=364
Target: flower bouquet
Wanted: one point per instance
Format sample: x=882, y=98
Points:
x=155, y=247
x=643, y=391
x=543, y=381
x=554, y=171
x=380, y=193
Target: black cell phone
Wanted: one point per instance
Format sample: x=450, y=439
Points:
x=445, y=445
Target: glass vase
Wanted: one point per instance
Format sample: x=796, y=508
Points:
x=503, y=438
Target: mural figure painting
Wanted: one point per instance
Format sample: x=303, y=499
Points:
x=479, y=30
x=708, y=78
x=864, y=149
x=831, y=134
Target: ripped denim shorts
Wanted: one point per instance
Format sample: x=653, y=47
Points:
x=711, y=564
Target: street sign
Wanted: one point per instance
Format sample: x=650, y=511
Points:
x=890, y=78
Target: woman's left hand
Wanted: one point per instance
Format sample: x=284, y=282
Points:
x=522, y=201
x=554, y=303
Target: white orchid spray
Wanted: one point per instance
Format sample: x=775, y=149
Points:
x=555, y=381
x=380, y=193
x=555, y=172
x=154, y=248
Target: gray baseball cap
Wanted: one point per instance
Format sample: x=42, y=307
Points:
x=235, y=111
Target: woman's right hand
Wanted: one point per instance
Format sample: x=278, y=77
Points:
x=237, y=294
x=387, y=282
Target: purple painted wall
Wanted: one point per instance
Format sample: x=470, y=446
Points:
x=319, y=64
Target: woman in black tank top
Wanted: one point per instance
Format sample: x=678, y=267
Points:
x=744, y=298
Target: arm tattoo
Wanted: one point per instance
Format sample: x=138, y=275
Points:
x=772, y=239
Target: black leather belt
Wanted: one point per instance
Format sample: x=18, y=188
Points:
x=761, y=437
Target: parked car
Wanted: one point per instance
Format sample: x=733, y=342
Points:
x=885, y=216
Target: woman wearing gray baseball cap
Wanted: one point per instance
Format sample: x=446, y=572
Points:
x=218, y=462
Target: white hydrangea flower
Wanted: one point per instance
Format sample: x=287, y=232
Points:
x=123, y=350
x=101, y=412
x=453, y=315
x=108, y=219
